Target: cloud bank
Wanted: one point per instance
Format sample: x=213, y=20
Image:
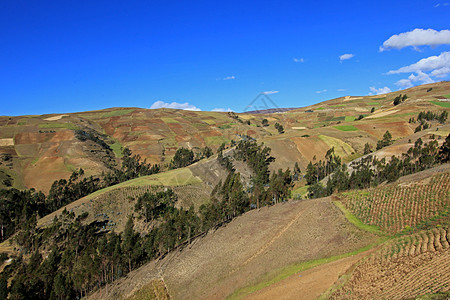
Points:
x=417, y=37
x=222, y=109
x=299, y=60
x=269, y=92
x=437, y=66
x=174, y=105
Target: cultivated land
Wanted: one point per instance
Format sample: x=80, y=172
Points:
x=253, y=248
x=43, y=148
x=389, y=242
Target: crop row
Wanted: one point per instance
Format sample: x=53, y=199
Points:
x=403, y=268
x=396, y=208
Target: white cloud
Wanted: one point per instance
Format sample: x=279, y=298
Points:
x=437, y=66
x=421, y=77
x=426, y=64
x=299, y=60
x=346, y=56
x=322, y=91
x=417, y=37
x=175, y=105
x=443, y=4
x=341, y=90
x=229, y=78
x=270, y=92
x=375, y=91
x=222, y=109
x=441, y=73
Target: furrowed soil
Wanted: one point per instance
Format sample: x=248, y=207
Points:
x=254, y=247
x=404, y=268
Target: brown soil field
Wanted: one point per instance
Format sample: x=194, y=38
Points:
x=310, y=147
x=252, y=247
x=309, y=284
x=402, y=269
x=397, y=206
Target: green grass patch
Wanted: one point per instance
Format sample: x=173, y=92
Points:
x=300, y=193
x=291, y=270
x=342, y=118
x=169, y=120
x=226, y=126
x=346, y=128
x=116, y=148
x=34, y=161
x=320, y=108
x=337, y=105
x=350, y=118
x=22, y=123
x=117, y=113
x=59, y=125
x=373, y=103
x=209, y=121
x=446, y=96
x=216, y=140
x=340, y=147
x=355, y=221
x=441, y=103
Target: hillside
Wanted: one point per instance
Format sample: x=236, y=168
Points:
x=147, y=217
x=36, y=150
x=252, y=248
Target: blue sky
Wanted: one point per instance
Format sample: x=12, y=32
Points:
x=57, y=56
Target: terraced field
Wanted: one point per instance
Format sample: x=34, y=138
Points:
x=404, y=268
x=400, y=207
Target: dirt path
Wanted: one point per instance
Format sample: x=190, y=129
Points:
x=311, y=283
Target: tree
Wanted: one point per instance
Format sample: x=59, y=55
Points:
x=265, y=123
x=367, y=148
x=183, y=157
x=372, y=110
x=279, y=127
x=386, y=141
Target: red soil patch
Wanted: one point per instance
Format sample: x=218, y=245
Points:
x=44, y=172
x=251, y=132
x=31, y=138
x=211, y=133
x=174, y=125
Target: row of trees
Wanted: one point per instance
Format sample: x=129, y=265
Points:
x=370, y=171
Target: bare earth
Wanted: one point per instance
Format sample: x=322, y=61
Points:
x=311, y=283
x=250, y=249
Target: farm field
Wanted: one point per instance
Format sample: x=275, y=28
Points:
x=396, y=208
x=404, y=268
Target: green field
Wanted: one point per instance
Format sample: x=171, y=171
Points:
x=340, y=147
x=117, y=149
x=350, y=118
x=447, y=96
x=373, y=103
x=216, y=140
x=117, y=113
x=59, y=125
x=441, y=103
x=338, y=105
x=346, y=128
x=169, y=120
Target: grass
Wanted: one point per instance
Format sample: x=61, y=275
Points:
x=175, y=177
x=337, y=105
x=340, y=147
x=350, y=118
x=117, y=113
x=209, y=121
x=226, y=126
x=442, y=104
x=320, y=108
x=342, y=118
x=59, y=125
x=446, y=96
x=355, y=221
x=346, y=128
x=302, y=191
x=216, y=140
x=169, y=120
x=116, y=148
x=293, y=269
x=373, y=103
